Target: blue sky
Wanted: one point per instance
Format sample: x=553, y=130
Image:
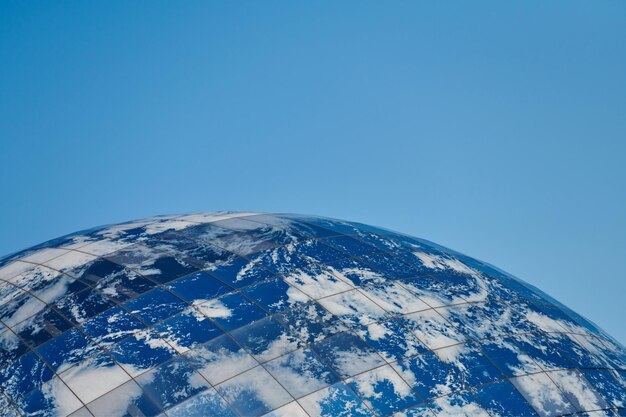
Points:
x=494, y=128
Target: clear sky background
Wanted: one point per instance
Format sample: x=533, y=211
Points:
x=495, y=128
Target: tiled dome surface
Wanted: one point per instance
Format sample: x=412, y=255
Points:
x=246, y=314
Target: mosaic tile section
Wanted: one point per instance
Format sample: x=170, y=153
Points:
x=252, y=314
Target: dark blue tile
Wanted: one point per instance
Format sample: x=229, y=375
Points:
x=24, y=375
x=186, y=330
x=266, y=339
x=275, y=295
x=347, y=354
x=241, y=272
x=428, y=375
x=170, y=383
x=142, y=351
x=83, y=305
x=310, y=322
x=610, y=384
x=198, y=286
x=392, y=339
x=111, y=326
x=231, y=311
x=502, y=399
x=42, y=327
x=155, y=306
x=67, y=350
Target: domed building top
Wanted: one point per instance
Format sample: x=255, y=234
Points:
x=248, y=314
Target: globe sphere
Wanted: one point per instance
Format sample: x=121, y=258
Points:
x=251, y=314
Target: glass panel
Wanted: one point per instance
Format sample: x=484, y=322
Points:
x=610, y=384
x=43, y=255
x=254, y=393
x=293, y=223
x=198, y=286
x=266, y=339
x=9, y=270
x=543, y=395
x=612, y=352
x=54, y=398
x=542, y=347
x=469, y=364
x=226, y=239
x=220, y=359
x=331, y=226
x=392, y=267
x=314, y=280
x=196, y=252
x=353, y=308
x=115, y=281
x=457, y=405
x=11, y=348
x=578, y=390
x=356, y=271
x=155, y=265
x=493, y=319
x=275, y=295
x=336, y=400
x=350, y=246
x=347, y=354
x=93, y=377
x=301, y=372
x=384, y=240
x=187, y=330
x=432, y=329
x=502, y=399
x=47, y=284
x=7, y=293
x=70, y=262
x=506, y=355
x=207, y=404
x=468, y=319
x=575, y=348
x=41, y=327
x=427, y=375
x=126, y=400
x=383, y=390
x=241, y=236
x=124, y=287
x=279, y=258
x=241, y=272
x=591, y=352
x=24, y=375
x=83, y=305
x=104, y=247
x=394, y=298
x=155, y=306
x=231, y=311
x=437, y=291
x=142, y=351
x=437, y=263
x=391, y=339
x=310, y=322
x=172, y=383
x=19, y=306
x=539, y=319
x=67, y=350
x=111, y=326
